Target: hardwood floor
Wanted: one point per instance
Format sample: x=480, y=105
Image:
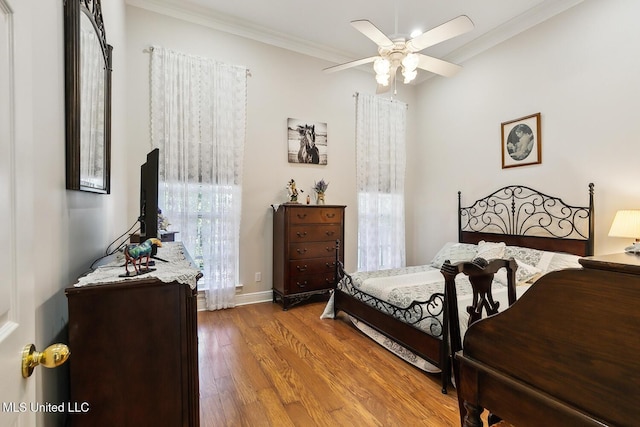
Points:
x=261, y=366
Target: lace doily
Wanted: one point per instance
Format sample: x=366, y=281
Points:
x=178, y=268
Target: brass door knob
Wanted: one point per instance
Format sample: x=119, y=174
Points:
x=52, y=356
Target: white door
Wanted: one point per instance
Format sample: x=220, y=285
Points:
x=17, y=316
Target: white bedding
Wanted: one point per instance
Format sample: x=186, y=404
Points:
x=414, y=359
x=402, y=289
x=402, y=286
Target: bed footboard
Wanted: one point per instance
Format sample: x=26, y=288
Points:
x=400, y=324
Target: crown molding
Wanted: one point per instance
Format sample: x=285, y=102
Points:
x=221, y=22
x=519, y=24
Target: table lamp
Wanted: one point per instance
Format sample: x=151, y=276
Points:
x=626, y=223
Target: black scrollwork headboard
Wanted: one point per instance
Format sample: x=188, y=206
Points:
x=521, y=216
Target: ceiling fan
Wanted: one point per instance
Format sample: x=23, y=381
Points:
x=402, y=53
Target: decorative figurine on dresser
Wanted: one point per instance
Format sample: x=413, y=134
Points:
x=134, y=254
x=304, y=250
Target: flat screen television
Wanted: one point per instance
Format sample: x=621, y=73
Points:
x=149, y=173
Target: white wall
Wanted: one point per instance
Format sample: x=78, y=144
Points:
x=283, y=84
x=72, y=228
x=580, y=71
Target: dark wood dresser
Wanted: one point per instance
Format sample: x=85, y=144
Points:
x=134, y=352
x=304, y=245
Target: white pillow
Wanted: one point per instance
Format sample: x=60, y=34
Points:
x=454, y=252
x=560, y=261
x=462, y=252
x=552, y=261
x=527, y=255
x=525, y=274
x=442, y=255
x=547, y=262
x=490, y=250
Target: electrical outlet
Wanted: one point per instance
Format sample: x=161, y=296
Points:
x=258, y=276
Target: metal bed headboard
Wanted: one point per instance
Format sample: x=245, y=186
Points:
x=521, y=216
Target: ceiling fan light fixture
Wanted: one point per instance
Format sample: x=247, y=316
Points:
x=410, y=62
x=382, y=79
x=381, y=66
x=409, y=75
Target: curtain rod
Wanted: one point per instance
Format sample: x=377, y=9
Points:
x=356, y=94
x=151, y=48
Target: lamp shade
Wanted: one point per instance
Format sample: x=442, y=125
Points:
x=626, y=224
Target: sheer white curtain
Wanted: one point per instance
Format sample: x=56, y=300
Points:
x=381, y=161
x=198, y=116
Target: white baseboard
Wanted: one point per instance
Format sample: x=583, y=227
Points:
x=241, y=299
x=254, y=298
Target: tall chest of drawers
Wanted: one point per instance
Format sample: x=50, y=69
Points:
x=304, y=244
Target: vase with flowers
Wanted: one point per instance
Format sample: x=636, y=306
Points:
x=320, y=187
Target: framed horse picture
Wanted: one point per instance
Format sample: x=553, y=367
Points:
x=306, y=142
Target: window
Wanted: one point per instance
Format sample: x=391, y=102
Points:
x=381, y=160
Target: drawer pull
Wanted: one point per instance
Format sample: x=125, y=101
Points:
x=301, y=215
x=330, y=249
x=303, y=234
x=301, y=268
x=301, y=251
x=330, y=232
x=302, y=285
x=331, y=215
x=330, y=264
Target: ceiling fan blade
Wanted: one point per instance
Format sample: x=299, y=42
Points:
x=437, y=66
x=350, y=64
x=373, y=33
x=446, y=31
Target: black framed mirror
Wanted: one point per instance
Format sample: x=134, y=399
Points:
x=88, y=97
